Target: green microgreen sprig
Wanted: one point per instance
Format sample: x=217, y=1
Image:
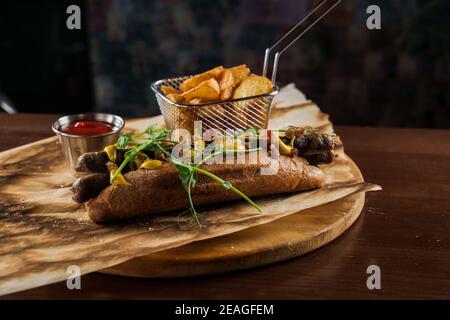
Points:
x=156, y=139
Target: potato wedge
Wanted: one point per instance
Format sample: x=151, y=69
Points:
x=207, y=91
x=168, y=90
x=195, y=101
x=253, y=85
x=226, y=84
x=199, y=78
x=175, y=97
x=239, y=73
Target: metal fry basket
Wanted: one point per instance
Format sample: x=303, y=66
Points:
x=239, y=114
x=225, y=116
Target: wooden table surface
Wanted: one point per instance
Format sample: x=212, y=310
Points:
x=405, y=230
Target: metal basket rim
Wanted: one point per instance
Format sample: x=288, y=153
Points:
x=154, y=85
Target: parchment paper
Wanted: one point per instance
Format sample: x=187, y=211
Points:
x=43, y=232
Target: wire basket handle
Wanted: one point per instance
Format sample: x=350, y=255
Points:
x=297, y=28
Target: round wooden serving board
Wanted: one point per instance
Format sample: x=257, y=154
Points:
x=282, y=239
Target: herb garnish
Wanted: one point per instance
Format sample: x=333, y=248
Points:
x=157, y=139
x=124, y=141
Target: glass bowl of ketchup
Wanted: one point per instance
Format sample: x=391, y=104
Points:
x=87, y=132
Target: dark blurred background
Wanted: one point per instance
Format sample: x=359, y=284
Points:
x=396, y=76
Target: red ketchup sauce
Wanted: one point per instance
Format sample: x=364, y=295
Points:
x=86, y=128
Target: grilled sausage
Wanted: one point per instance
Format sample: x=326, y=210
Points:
x=154, y=191
x=96, y=161
x=316, y=148
x=89, y=186
x=92, y=162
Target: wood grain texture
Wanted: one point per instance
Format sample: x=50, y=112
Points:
x=38, y=216
x=53, y=232
x=279, y=240
x=403, y=229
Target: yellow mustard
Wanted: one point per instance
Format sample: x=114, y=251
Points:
x=111, y=152
x=151, y=164
x=120, y=179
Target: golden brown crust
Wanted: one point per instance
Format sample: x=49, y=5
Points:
x=154, y=191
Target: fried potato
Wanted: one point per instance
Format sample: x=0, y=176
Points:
x=253, y=85
x=207, y=90
x=168, y=90
x=218, y=84
x=239, y=73
x=195, y=101
x=175, y=97
x=199, y=78
x=226, y=84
